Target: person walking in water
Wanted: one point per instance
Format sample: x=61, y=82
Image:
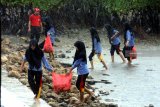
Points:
x=80, y=61
x=35, y=24
x=114, y=40
x=128, y=42
x=35, y=57
x=96, y=48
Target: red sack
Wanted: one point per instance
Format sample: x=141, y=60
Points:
x=61, y=82
x=48, y=48
x=133, y=53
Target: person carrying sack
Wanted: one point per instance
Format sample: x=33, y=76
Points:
x=128, y=42
x=80, y=62
x=49, y=31
x=35, y=57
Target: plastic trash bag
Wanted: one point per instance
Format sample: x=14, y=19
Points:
x=61, y=82
x=48, y=48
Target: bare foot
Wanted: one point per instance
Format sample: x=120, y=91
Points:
x=124, y=61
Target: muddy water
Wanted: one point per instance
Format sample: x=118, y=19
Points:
x=131, y=86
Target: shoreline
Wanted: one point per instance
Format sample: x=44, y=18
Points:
x=11, y=60
x=61, y=49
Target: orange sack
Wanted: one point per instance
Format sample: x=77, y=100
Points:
x=133, y=53
x=61, y=82
x=48, y=48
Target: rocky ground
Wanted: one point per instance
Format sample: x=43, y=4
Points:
x=11, y=57
x=13, y=49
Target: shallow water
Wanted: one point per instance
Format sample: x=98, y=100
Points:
x=22, y=95
x=131, y=86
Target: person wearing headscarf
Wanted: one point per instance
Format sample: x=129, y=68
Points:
x=35, y=58
x=48, y=30
x=96, y=48
x=80, y=62
x=115, y=42
x=128, y=42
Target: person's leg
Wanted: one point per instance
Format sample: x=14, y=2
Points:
x=91, y=59
x=130, y=58
x=37, y=33
x=127, y=52
x=119, y=52
x=31, y=81
x=102, y=61
x=78, y=85
x=38, y=78
x=122, y=57
x=32, y=33
x=112, y=53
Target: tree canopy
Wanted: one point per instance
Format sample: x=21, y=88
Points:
x=110, y=5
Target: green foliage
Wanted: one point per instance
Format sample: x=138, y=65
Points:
x=110, y=5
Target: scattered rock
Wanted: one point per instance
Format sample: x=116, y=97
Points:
x=73, y=89
x=53, y=95
x=89, y=77
x=23, y=81
x=104, y=92
x=73, y=100
x=4, y=59
x=62, y=56
x=149, y=70
x=63, y=104
x=53, y=104
x=57, y=40
x=68, y=51
x=6, y=41
x=5, y=50
x=151, y=105
x=14, y=74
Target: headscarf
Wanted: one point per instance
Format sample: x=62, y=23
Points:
x=110, y=32
x=81, y=52
x=34, y=57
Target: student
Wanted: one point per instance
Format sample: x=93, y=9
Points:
x=49, y=30
x=114, y=40
x=35, y=24
x=128, y=42
x=35, y=57
x=96, y=48
x=80, y=61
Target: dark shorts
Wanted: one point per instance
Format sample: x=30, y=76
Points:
x=115, y=47
x=80, y=84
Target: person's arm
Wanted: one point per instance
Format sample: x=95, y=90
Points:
x=29, y=26
x=22, y=64
x=75, y=64
x=128, y=37
x=46, y=64
x=115, y=34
